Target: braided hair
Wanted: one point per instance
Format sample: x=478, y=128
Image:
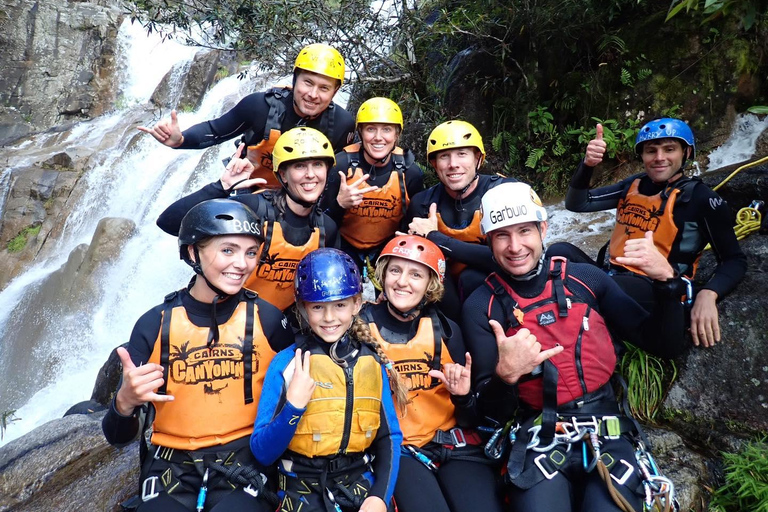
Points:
x=362, y=332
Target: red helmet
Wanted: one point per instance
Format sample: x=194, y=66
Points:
x=418, y=249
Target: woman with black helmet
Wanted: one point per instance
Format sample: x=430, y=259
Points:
x=293, y=225
x=442, y=465
x=199, y=355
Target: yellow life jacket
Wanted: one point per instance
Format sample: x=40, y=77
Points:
x=216, y=391
x=375, y=220
x=430, y=407
x=329, y=425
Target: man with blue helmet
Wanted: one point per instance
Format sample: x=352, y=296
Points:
x=664, y=213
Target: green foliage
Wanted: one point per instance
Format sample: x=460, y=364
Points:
x=758, y=109
x=746, y=480
x=19, y=242
x=648, y=378
x=746, y=11
x=6, y=418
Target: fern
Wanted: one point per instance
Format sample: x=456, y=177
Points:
x=533, y=157
x=626, y=77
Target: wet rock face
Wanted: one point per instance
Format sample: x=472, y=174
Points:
x=57, y=60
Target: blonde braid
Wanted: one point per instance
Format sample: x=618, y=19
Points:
x=362, y=333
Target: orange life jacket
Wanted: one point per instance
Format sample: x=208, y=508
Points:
x=216, y=391
x=430, y=408
x=637, y=213
x=375, y=220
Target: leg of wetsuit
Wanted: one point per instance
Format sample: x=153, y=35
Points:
x=163, y=503
x=556, y=493
x=241, y=500
x=417, y=489
x=570, y=251
x=596, y=495
x=470, y=486
x=638, y=287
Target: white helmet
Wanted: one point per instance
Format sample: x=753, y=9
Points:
x=508, y=204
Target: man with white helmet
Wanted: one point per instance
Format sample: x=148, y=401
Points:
x=538, y=333
x=262, y=117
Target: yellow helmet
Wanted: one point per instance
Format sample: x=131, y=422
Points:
x=454, y=134
x=379, y=110
x=300, y=144
x=321, y=59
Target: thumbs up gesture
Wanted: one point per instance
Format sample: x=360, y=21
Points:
x=166, y=131
x=595, y=148
x=139, y=386
x=642, y=254
x=423, y=227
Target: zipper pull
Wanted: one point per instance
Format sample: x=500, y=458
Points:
x=585, y=323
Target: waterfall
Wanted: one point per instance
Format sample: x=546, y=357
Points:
x=741, y=144
x=52, y=348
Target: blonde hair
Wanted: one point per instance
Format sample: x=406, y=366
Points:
x=362, y=332
x=435, y=288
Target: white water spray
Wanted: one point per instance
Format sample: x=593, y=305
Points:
x=742, y=143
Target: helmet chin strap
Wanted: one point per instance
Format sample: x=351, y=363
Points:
x=377, y=160
x=305, y=204
x=531, y=273
x=213, y=333
x=406, y=315
x=342, y=360
x=458, y=202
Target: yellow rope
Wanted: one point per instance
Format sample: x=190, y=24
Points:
x=737, y=171
x=372, y=274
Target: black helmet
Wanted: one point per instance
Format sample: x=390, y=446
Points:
x=217, y=217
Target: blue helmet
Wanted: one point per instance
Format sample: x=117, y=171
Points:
x=666, y=128
x=326, y=275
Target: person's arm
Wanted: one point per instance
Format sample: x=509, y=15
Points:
x=250, y=112
x=477, y=256
x=732, y=263
x=386, y=446
x=332, y=238
x=328, y=202
x=170, y=220
x=466, y=405
x=275, y=326
x=414, y=177
x=580, y=198
x=277, y=418
x=343, y=128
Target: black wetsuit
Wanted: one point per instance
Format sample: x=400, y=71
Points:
x=121, y=430
x=458, y=214
x=250, y=115
x=458, y=485
x=663, y=330
x=700, y=219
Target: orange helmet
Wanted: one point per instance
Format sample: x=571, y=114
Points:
x=418, y=249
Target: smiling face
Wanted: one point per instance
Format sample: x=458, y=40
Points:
x=456, y=168
x=518, y=248
x=405, y=283
x=227, y=261
x=662, y=158
x=305, y=179
x=379, y=140
x=312, y=93
x=330, y=320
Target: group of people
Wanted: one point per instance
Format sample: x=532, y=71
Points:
x=478, y=375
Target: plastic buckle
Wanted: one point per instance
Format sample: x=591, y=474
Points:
x=457, y=435
x=547, y=475
x=589, y=425
x=627, y=473
x=612, y=427
x=250, y=490
x=149, y=489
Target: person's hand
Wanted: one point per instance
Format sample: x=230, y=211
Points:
x=350, y=194
x=166, y=131
x=455, y=377
x=423, y=227
x=302, y=385
x=595, y=148
x=140, y=384
x=519, y=354
x=373, y=504
x=237, y=172
x=642, y=254
x=705, y=325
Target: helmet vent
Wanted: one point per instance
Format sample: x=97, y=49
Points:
x=224, y=216
x=288, y=149
x=467, y=136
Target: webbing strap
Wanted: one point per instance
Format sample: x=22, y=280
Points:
x=248, y=353
x=171, y=301
x=508, y=304
x=437, y=336
x=558, y=287
x=549, y=411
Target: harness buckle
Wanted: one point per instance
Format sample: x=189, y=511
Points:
x=250, y=490
x=612, y=427
x=459, y=441
x=627, y=473
x=547, y=475
x=150, y=489
x=585, y=426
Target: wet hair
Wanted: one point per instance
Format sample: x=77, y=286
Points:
x=435, y=288
x=362, y=332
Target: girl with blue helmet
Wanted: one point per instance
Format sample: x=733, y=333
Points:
x=327, y=415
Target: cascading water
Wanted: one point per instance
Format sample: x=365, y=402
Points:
x=52, y=348
x=742, y=143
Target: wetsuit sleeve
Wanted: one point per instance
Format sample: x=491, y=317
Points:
x=277, y=419
x=417, y=208
x=250, y=113
x=718, y=226
x=120, y=430
x=275, y=326
x=386, y=446
x=332, y=238
x=496, y=400
x=343, y=129
x=580, y=198
x=170, y=220
x=414, y=179
x=477, y=256
x=329, y=203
